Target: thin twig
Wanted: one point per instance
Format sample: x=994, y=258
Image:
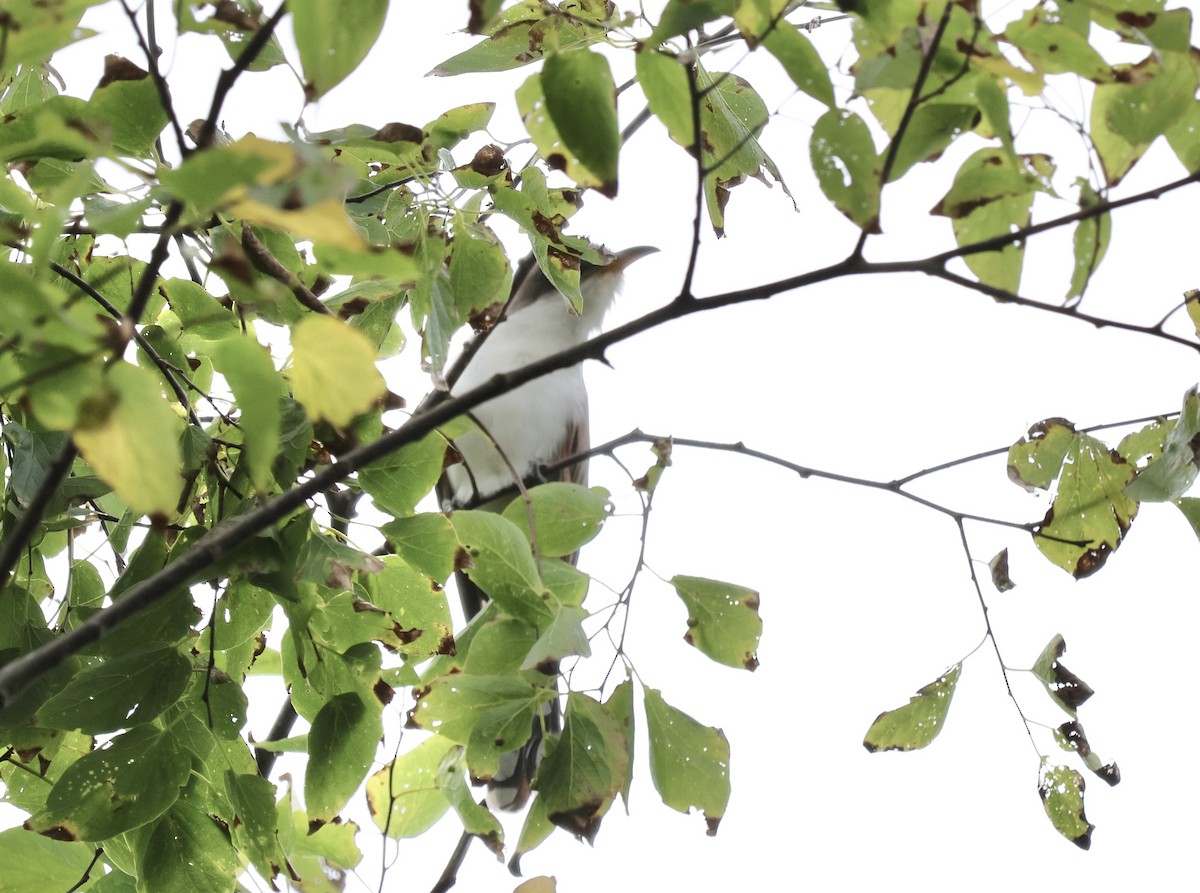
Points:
x=265, y=262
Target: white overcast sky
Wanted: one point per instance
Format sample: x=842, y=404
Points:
x=865, y=597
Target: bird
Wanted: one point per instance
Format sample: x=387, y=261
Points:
x=533, y=425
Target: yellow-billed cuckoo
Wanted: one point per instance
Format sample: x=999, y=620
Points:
x=533, y=425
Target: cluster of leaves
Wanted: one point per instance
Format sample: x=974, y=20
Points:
x=145, y=407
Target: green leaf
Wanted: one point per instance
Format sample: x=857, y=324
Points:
x=1070, y=736
x=689, y=762
x=416, y=608
x=847, y=168
x=333, y=38
x=1034, y=461
x=564, y=516
x=187, y=851
x=495, y=644
x=918, y=722
x=1190, y=507
x=620, y=706
x=732, y=115
x=521, y=34
x=1091, y=512
x=1145, y=100
x=1061, y=790
x=497, y=559
x=333, y=370
x=992, y=195
x=256, y=386
x=120, y=693
x=253, y=800
x=581, y=776
x=1066, y=689
x=1140, y=448
x=932, y=128
x=201, y=317
x=490, y=714
x=50, y=130
x=1054, y=47
x=479, y=271
x=476, y=819
x=128, y=102
x=581, y=99
x=31, y=86
x=801, y=61
x=32, y=863
x=563, y=637
x=341, y=748
x=404, y=797
x=664, y=81
x=401, y=479
x=1184, y=137
x=1167, y=478
x=1090, y=240
x=723, y=620
x=681, y=16
x=234, y=24
x=534, y=832
x=128, y=784
x=129, y=434
x=426, y=541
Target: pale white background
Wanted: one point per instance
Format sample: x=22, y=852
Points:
x=865, y=596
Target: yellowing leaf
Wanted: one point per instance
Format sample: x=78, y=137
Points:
x=324, y=222
x=403, y=796
x=333, y=370
x=129, y=434
x=541, y=884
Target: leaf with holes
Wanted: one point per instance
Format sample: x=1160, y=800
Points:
x=723, y=620
x=918, y=722
x=689, y=762
x=1066, y=689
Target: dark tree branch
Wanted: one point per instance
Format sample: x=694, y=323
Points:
x=910, y=109
x=167, y=370
x=152, y=52
x=280, y=729
x=804, y=471
x=449, y=875
x=1071, y=311
x=87, y=872
x=229, y=76
x=18, y=674
x=16, y=541
x=265, y=262
x=685, y=290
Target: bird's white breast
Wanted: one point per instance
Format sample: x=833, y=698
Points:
x=528, y=424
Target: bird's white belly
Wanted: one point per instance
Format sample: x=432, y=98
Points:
x=525, y=438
